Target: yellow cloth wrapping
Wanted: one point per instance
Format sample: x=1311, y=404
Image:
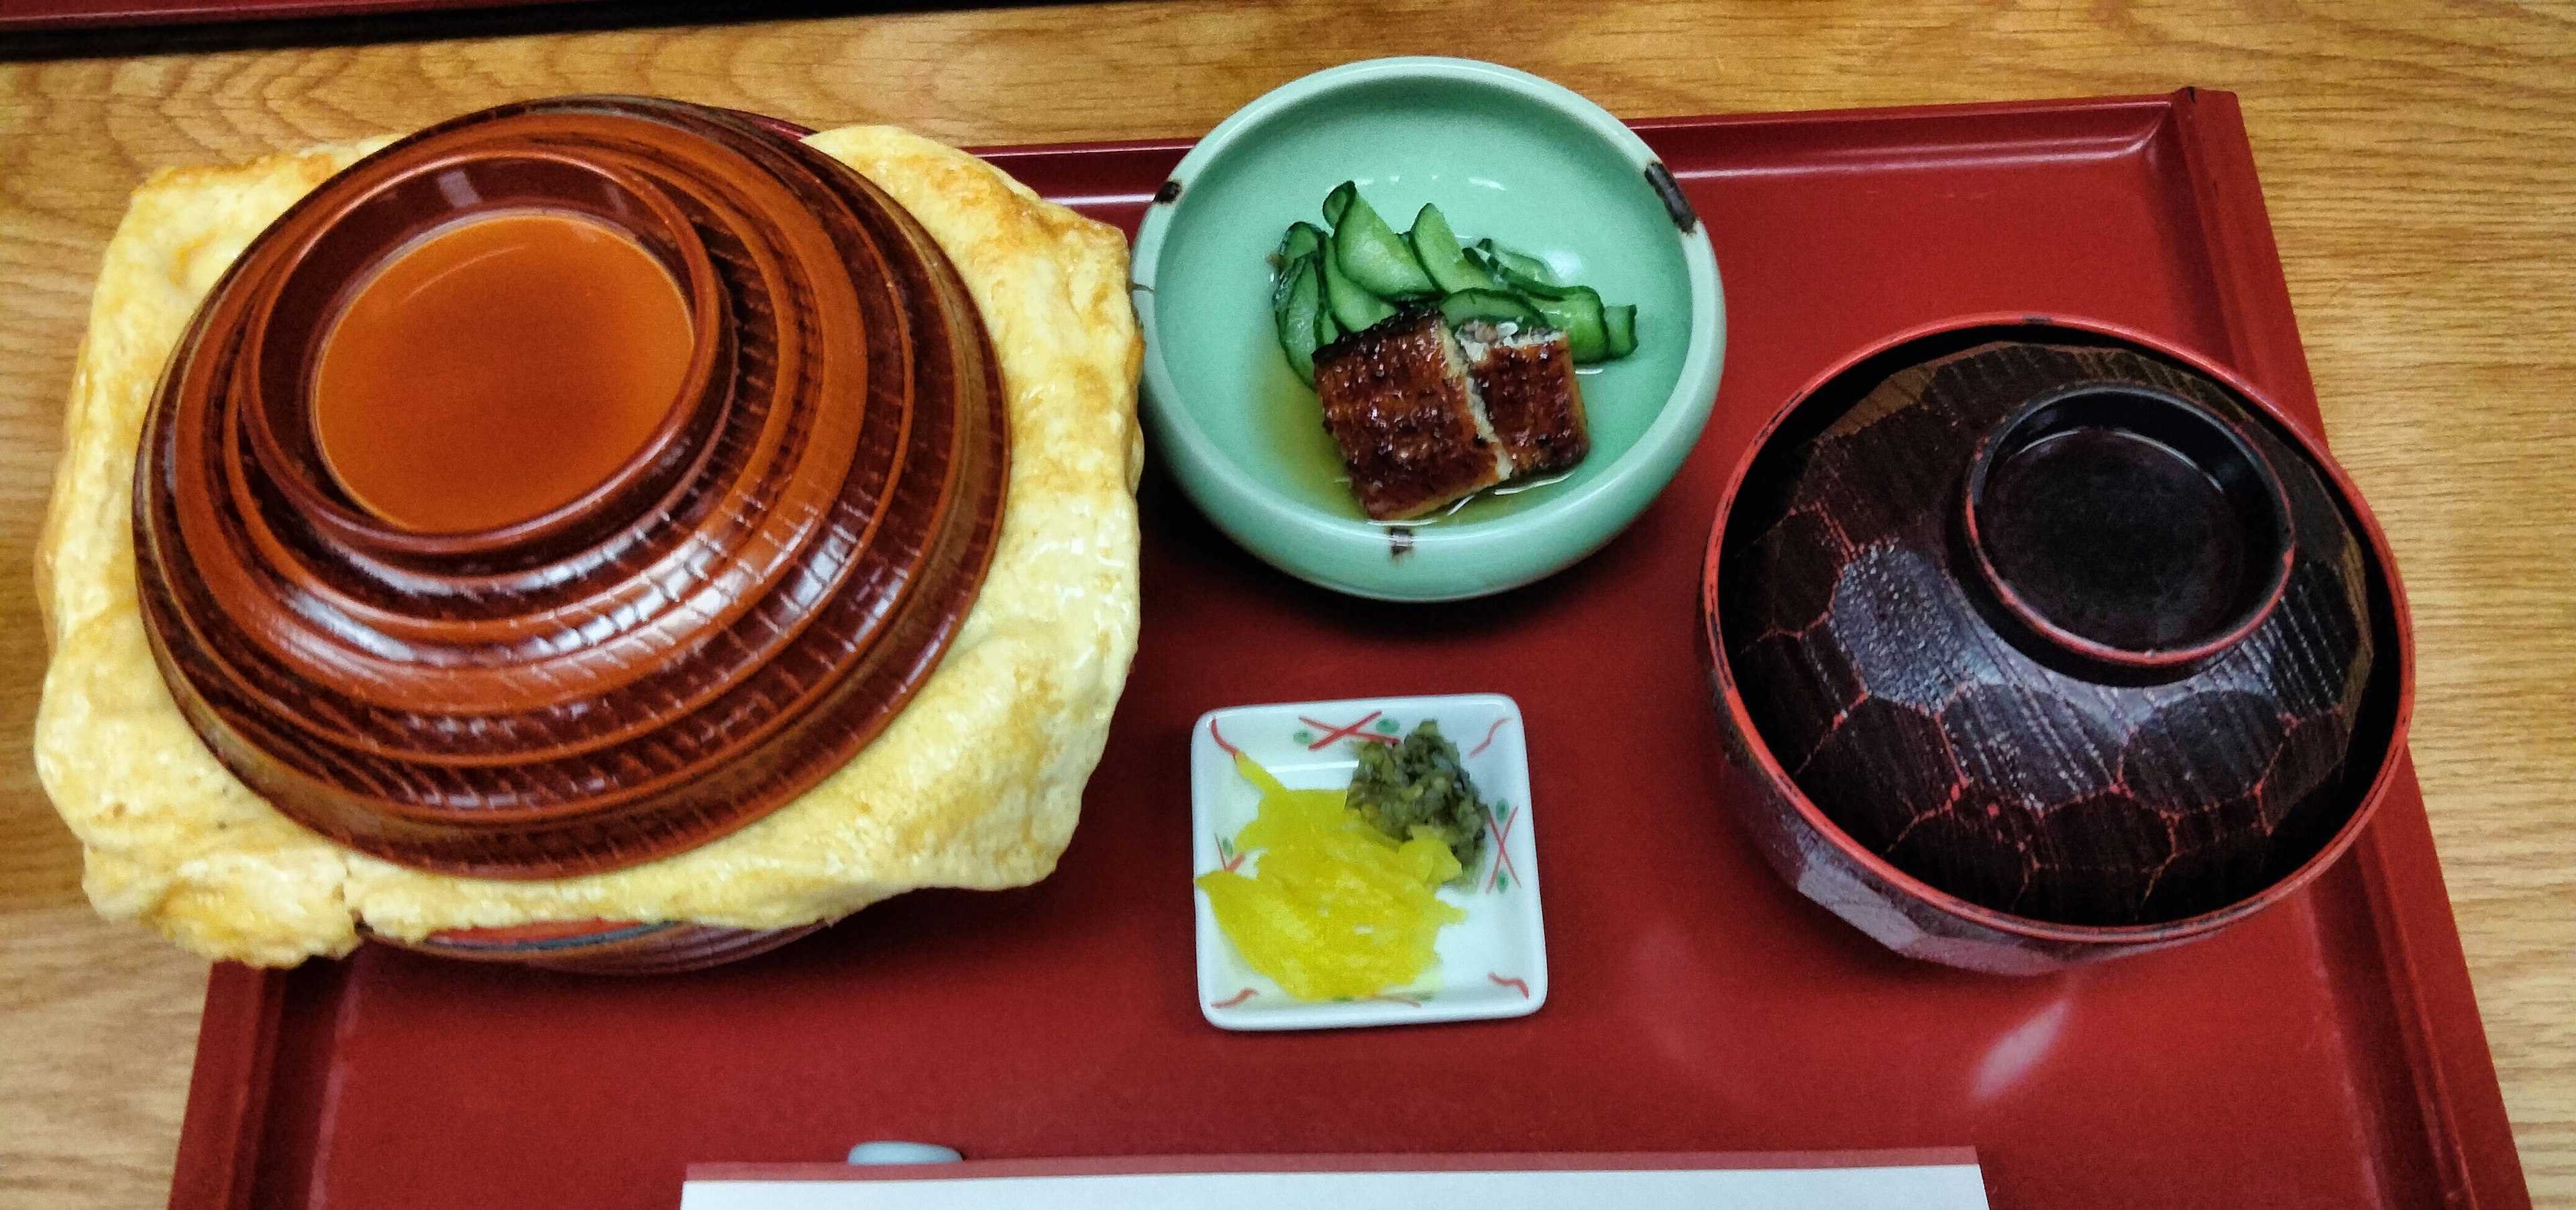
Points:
x=977, y=783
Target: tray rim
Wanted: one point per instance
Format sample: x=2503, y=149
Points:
x=2468, y=1136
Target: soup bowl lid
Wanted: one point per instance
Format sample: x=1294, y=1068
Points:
x=2057, y=629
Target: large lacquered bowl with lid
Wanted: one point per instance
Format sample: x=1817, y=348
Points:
x=2045, y=641
x=722, y=620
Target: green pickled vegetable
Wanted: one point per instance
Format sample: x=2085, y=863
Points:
x=1338, y=201
x=1436, y=246
x=1417, y=787
x=1353, y=307
x=1618, y=331
x=1492, y=306
x=1351, y=274
x=1282, y=280
x=1298, y=311
x=1373, y=255
x=1303, y=239
x=1515, y=270
x=1577, y=313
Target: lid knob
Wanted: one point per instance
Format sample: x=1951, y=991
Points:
x=2123, y=531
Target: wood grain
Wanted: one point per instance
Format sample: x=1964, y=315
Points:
x=2419, y=161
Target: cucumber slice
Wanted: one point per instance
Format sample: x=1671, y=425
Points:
x=1618, y=331
x=1338, y=201
x=1352, y=307
x=1337, y=281
x=1373, y=255
x=1526, y=276
x=1285, y=278
x=1303, y=239
x=1303, y=243
x=1304, y=301
x=1492, y=306
x=1507, y=264
x=1436, y=246
x=1529, y=287
x=1578, y=315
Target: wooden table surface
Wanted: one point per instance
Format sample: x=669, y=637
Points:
x=2419, y=161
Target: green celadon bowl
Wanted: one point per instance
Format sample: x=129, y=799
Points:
x=1506, y=156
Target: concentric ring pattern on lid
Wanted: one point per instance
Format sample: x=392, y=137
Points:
x=718, y=626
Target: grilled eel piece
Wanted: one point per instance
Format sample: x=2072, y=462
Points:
x=1397, y=402
x=1423, y=418
x=1525, y=379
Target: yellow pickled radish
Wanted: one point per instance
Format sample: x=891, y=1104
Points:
x=1333, y=908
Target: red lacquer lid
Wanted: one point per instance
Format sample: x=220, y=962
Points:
x=722, y=622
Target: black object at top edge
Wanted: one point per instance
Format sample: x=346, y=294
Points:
x=1676, y=203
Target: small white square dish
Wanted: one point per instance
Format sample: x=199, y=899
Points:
x=1492, y=964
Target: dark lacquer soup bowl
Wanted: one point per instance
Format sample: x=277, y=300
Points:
x=2048, y=642
x=535, y=672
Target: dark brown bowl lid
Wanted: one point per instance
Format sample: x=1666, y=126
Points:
x=2124, y=529
x=710, y=631
x=2059, y=625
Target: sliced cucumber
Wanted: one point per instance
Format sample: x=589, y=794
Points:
x=1516, y=275
x=1373, y=255
x=1523, y=284
x=1286, y=277
x=1353, y=308
x=1338, y=201
x=1436, y=246
x=1304, y=242
x=1507, y=264
x=1303, y=302
x=1492, y=306
x=1303, y=239
x=1350, y=275
x=1618, y=331
x=1577, y=314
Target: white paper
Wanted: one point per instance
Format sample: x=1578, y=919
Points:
x=1913, y=1187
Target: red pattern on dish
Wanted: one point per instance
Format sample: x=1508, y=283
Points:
x=1350, y=732
x=1502, y=833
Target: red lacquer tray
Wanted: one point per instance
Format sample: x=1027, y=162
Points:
x=2327, y=1053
